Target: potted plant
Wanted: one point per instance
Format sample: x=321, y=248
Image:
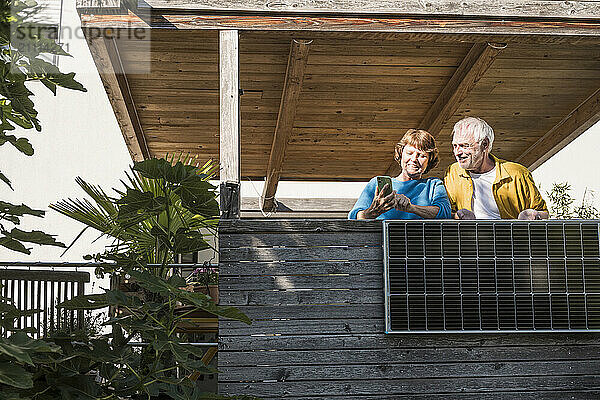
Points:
x=158, y=215
x=161, y=199
x=204, y=279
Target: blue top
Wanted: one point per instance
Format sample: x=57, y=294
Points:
x=421, y=192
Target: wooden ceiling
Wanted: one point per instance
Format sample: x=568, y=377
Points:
x=360, y=93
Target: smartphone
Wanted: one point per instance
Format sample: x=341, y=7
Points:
x=381, y=182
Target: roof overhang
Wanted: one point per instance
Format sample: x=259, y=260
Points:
x=373, y=70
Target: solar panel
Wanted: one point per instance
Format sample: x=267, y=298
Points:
x=491, y=276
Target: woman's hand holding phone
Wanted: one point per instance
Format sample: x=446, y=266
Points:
x=381, y=203
x=383, y=182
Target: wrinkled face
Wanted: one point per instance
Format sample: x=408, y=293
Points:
x=469, y=154
x=413, y=162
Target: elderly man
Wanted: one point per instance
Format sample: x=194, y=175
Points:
x=482, y=186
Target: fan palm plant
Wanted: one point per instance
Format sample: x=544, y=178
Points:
x=159, y=213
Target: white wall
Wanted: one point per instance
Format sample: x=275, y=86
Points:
x=80, y=137
x=577, y=164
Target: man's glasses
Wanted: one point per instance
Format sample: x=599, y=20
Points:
x=463, y=146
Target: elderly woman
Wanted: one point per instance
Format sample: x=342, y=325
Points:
x=412, y=197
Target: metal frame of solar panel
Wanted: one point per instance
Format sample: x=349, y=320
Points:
x=491, y=276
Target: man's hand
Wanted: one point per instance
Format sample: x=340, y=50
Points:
x=403, y=203
x=531, y=215
x=463, y=213
x=379, y=205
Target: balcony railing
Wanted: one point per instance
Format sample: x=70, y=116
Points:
x=315, y=292
x=41, y=286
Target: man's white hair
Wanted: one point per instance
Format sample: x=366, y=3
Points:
x=477, y=127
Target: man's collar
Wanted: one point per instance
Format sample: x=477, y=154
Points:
x=501, y=172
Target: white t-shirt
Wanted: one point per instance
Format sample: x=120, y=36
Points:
x=483, y=204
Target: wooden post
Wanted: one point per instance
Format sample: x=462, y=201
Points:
x=294, y=77
x=229, y=125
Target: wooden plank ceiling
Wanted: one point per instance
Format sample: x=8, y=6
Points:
x=359, y=95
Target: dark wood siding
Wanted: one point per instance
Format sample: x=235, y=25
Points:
x=314, y=289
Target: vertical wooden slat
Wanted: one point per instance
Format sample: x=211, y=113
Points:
x=80, y=292
x=8, y=291
x=72, y=316
x=31, y=303
x=12, y=292
x=65, y=311
x=39, y=307
x=51, y=322
x=19, y=295
x=65, y=318
x=25, y=305
x=229, y=120
x=45, y=314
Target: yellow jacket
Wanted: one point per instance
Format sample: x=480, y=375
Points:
x=513, y=189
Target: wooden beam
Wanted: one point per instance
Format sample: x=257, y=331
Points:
x=254, y=214
x=490, y=8
x=299, y=208
x=108, y=63
x=567, y=130
x=292, y=86
x=477, y=61
x=229, y=122
x=452, y=29
x=302, y=204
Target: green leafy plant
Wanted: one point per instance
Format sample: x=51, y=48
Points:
x=77, y=365
x=79, y=325
x=160, y=212
x=562, y=204
x=15, y=238
x=19, y=353
x=161, y=366
x=153, y=225
x=142, y=355
x=22, y=46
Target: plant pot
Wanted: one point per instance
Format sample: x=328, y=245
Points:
x=199, y=321
x=211, y=290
